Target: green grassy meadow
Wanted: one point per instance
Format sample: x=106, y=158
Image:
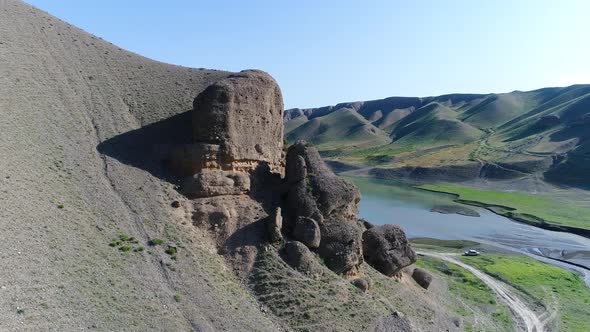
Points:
x=521, y=204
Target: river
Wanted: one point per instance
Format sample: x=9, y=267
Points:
x=388, y=202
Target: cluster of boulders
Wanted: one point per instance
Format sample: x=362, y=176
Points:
x=322, y=213
x=238, y=130
x=321, y=209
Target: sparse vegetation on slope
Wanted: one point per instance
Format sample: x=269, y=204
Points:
x=65, y=195
x=329, y=302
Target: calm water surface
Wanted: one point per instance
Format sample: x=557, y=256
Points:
x=387, y=202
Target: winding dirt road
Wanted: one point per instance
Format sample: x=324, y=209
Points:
x=532, y=322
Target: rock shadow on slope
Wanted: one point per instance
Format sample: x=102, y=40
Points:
x=146, y=147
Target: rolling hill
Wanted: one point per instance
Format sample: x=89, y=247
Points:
x=534, y=134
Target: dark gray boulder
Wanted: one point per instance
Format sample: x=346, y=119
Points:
x=341, y=247
x=307, y=231
x=315, y=192
x=386, y=248
x=300, y=258
x=362, y=284
x=308, y=177
x=422, y=277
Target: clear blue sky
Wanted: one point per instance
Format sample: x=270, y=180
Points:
x=325, y=52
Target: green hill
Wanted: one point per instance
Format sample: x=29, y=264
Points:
x=432, y=125
x=339, y=129
x=539, y=134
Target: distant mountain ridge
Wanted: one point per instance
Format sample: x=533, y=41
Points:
x=520, y=133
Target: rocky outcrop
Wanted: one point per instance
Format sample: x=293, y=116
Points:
x=386, y=248
x=275, y=226
x=232, y=174
x=307, y=231
x=242, y=114
x=236, y=127
x=209, y=183
x=315, y=191
x=422, y=277
x=315, y=195
x=236, y=153
x=300, y=258
x=341, y=247
x=362, y=284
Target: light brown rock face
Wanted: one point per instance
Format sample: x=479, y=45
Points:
x=237, y=129
x=209, y=183
x=243, y=115
x=237, y=126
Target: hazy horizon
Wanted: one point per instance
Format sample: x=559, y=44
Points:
x=323, y=54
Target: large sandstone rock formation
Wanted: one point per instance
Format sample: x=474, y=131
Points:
x=242, y=115
x=237, y=146
x=237, y=127
x=231, y=173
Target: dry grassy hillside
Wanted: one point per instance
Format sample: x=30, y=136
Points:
x=62, y=93
x=95, y=234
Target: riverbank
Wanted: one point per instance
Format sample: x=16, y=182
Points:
x=558, y=296
x=538, y=211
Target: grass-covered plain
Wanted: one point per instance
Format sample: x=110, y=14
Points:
x=534, y=208
x=556, y=288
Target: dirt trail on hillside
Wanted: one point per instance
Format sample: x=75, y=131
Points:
x=532, y=322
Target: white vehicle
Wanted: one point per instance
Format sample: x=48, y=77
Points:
x=471, y=252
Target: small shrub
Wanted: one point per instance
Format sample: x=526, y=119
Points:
x=125, y=248
x=60, y=206
x=138, y=249
x=155, y=242
x=171, y=250
x=177, y=298
x=125, y=238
